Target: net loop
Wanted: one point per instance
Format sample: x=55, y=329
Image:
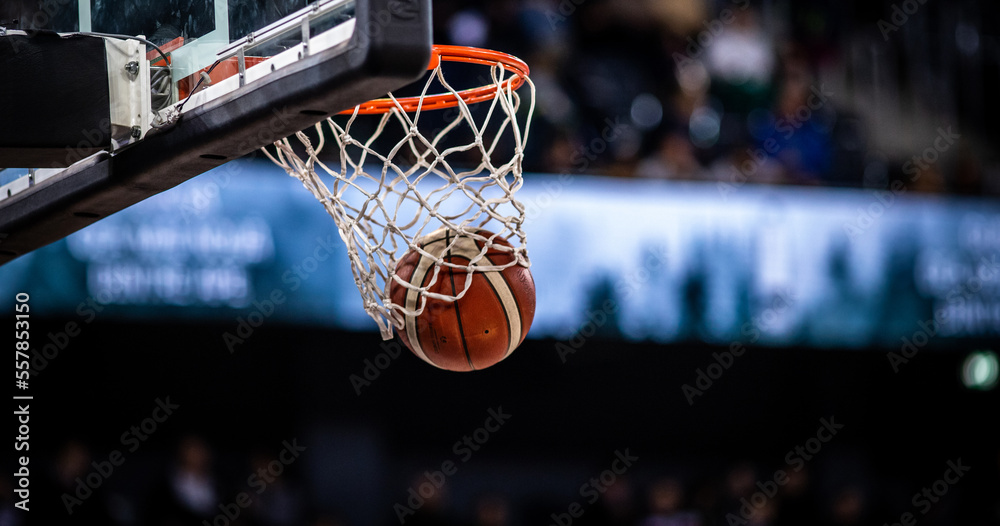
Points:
x=397, y=178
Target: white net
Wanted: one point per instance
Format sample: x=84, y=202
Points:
x=461, y=174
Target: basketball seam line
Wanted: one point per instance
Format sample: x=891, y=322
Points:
x=432, y=241
x=506, y=319
x=458, y=314
x=416, y=339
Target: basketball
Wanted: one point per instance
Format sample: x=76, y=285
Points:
x=482, y=327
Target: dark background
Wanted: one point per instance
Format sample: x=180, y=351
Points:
x=567, y=419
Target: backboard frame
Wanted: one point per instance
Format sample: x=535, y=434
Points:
x=390, y=48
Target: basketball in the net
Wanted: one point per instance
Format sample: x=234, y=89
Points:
x=482, y=327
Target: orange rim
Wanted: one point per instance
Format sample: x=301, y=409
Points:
x=471, y=55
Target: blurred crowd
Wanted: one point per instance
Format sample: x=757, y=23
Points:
x=188, y=489
x=195, y=486
x=740, y=91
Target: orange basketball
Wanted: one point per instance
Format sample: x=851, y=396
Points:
x=477, y=330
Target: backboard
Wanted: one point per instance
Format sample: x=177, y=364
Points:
x=228, y=77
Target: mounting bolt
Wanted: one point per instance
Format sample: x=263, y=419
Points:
x=132, y=68
x=136, y=132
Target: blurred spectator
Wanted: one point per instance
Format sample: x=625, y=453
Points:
x=739, y=484
x=666, y=501
x=927, y=179
x=559, y=158
x=673, y=159
x=189, y=493
x=799, y=134
x=740, y=59
x=60, y=490
x=492, y=510
x=280, y=503
x=797, y=503
x=707, y=501
x=434, y=511
x=848, y=508
x=679, y=17
x=615, y=507
x=764, y=514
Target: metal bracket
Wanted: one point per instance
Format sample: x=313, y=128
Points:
x=132, y=68
x=241, y=61
x=305, y=37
